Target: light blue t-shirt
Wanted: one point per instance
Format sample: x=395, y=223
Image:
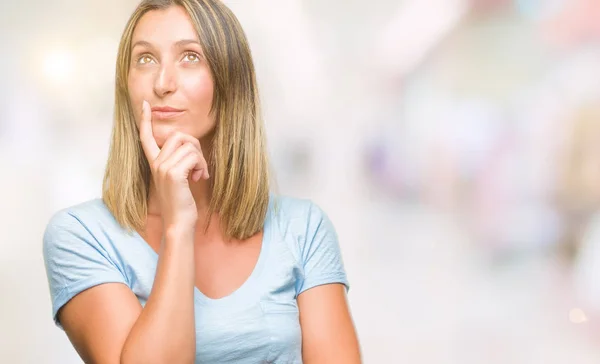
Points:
x=258, y=323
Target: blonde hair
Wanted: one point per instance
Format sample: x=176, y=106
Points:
x=238, y=161
x=580, y=177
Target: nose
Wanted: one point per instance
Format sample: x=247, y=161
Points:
x=165, y=82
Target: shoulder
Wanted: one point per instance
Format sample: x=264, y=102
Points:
x=79, y=251
x=82, y=221
x=312, y=238
x=296, y=213
x=84, y=213
x=293, y=208
x=301, y=219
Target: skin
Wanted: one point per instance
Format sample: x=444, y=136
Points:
x=106, y=323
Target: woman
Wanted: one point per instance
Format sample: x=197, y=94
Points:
x=188, y=257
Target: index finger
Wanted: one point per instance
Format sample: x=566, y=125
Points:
x=149, y=145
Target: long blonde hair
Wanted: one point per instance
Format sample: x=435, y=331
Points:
x=238, y=161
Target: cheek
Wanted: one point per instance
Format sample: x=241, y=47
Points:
x=135, y=96
x=133, y=86
x=138, y=87
x=199, y=91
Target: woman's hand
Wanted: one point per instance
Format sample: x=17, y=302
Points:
x=179, y=161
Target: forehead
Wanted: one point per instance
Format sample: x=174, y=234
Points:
x=165, y=26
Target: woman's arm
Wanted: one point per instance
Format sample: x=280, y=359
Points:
x=107, y=325
x=328, y=334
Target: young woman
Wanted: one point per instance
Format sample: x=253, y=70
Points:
x=188, y=257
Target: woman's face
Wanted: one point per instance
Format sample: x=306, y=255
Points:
x=169, y=71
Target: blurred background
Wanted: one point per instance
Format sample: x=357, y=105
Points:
x=454, y=143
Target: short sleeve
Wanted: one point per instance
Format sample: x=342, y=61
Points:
x=321, y=256
x=74, y=260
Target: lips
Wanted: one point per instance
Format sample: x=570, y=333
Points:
x=166, y=112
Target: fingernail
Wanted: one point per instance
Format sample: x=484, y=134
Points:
x=144, y=105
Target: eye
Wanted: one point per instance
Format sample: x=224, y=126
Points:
x=144, y=59
x=191, y=57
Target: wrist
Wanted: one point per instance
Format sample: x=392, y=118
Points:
x=178, y=232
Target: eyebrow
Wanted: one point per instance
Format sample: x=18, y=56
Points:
x=178, y=44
